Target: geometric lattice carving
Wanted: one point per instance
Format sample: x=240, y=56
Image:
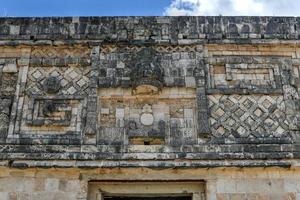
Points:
x=248, y=116
x=70, y=80
x=158, y=48
x=52, y=52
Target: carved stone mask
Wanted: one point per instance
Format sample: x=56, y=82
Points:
x=147, y=75
x=52, y=85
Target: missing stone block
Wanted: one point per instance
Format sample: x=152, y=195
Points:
x=146, y=141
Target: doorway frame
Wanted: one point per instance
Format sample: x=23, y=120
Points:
x=97, y=190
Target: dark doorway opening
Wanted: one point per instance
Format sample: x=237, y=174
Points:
x=148, y=198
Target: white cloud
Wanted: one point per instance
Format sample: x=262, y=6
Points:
x=234, y=7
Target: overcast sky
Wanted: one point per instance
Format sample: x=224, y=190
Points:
x=148, y=7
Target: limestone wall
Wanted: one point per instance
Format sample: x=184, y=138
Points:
x=207, y=100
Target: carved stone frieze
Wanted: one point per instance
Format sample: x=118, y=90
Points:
x=192, y=87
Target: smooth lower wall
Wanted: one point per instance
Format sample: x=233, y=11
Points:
x=220, y=183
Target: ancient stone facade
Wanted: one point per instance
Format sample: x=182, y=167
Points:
x=207, y=108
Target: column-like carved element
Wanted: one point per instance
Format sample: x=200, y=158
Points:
x=5, y=104
x=202, y=103
x=4, y=116
x=291, y=91
x=91, y=120
x=8, y=82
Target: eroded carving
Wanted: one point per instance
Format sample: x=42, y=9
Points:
x=52, y=85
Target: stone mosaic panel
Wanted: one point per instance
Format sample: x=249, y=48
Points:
x=72, y=80
x=244, y=116
x=54, y=101
x=169, y=117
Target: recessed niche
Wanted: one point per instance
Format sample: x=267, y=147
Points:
x=146, y=119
